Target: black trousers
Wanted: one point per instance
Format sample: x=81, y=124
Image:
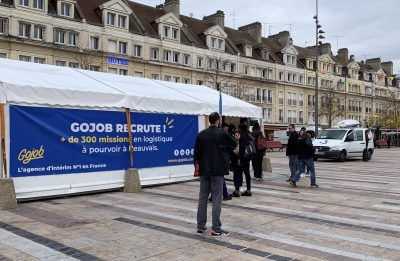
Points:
x=238, y=175
x=257, y=165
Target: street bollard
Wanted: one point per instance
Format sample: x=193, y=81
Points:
x=132, y=181
x=8, y=198
x=266, y=165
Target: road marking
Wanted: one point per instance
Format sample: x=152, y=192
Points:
x=281, y=238
x=353, y=239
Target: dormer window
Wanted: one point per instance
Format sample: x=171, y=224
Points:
x=66, y=9
x=170, y=33
x=169, y=27
x=290, y=59
x=116, y=14
x=24, y=3
x=248, y=51
x=111, y=19
x=121, y=21
x=175, y=33
x=38, y=4
x=217, y=43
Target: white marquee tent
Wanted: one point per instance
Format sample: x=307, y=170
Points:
x=30, y=83
x=33, y=84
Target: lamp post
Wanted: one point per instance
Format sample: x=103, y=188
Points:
x=318, y=37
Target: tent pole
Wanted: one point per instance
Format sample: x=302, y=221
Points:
x=132, y=177
x=130, y=136
x=3, y=161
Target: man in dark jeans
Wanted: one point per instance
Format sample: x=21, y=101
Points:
x=305, y=159
x=211, y=154
x=292, y=150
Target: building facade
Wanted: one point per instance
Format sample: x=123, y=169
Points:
x=129, y=38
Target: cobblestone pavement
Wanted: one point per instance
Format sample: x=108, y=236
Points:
x=354, y=215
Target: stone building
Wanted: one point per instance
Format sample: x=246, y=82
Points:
x=130, y=38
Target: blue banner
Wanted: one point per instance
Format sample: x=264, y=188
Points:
x=51, y=141
x=117, y=61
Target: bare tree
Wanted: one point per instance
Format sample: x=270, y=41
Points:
x=331, y=106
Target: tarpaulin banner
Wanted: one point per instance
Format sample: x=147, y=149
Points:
x=51, y=141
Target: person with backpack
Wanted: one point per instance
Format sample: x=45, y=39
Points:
x=260, y=152
x=246, y=153
x=305, y=159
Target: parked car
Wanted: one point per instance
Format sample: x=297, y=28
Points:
x=344, y=143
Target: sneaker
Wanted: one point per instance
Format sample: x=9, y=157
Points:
x=246, y=193
x=229, y=197
x=235, y=194
x=293, y=183
x=218, y=233
x=201, y=230
x=314, y=186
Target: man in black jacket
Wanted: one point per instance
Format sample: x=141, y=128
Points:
x=292, y=150
x=212, y=154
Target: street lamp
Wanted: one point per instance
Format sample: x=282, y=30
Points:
x=318, y=42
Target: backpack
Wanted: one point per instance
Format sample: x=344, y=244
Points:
x=250, y=151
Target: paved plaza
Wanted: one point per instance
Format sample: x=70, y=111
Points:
x=354, y=215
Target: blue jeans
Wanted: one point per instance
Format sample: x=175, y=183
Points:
x=302, y=163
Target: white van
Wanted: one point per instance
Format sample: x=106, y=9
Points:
x=344, y=143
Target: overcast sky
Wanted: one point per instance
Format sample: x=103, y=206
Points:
x=368, y=28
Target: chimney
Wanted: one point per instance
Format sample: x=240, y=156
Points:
x=217, y=19
x=171, y=6
x=254, y=29
x=374, y=63
x=282, y=37
x=326, y=48
x=352, y=58
x=343, y=55
x=388, y=68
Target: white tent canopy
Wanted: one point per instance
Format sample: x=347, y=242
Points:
x=40, y=84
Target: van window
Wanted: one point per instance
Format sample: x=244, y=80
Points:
x=350, y=136
x=359, y=135
x=332, y=134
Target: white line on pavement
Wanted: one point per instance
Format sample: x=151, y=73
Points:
x=281, y=238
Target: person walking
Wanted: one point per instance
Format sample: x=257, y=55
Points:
x=212, y=159
x=245, y=142
x=260, y=152
x=292, y=150
x=305, y=159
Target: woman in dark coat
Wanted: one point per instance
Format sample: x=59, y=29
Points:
x=258, y=158
x=242, y=163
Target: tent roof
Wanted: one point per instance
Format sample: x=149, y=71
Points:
x=40, y=84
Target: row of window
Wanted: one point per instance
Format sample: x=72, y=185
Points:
x=41, y=60
x=264, y=95
x=291, y=77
